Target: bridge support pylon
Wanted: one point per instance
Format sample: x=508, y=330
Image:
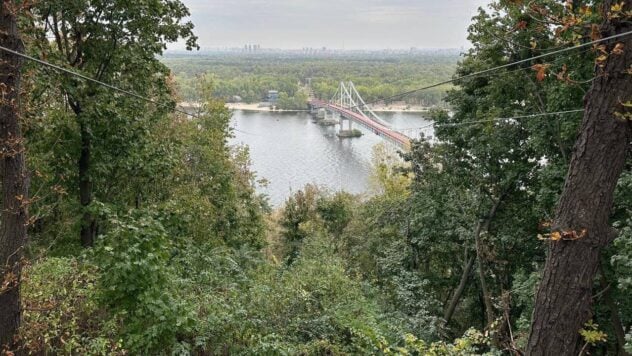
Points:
x=350, y=131
x=341, y=122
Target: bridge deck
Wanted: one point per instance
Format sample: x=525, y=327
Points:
x=399, y=139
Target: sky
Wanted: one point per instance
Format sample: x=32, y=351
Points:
x=336, y=24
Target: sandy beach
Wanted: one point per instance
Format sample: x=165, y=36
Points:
x=255, y=107
x=390, y=108
x=259, y=107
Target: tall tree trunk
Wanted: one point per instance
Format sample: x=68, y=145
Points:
x=563, y=301
x=14, y=183
x=615, y=320
x=88, y=223
x=456, y=297
x=483, y=225
x=487, y=298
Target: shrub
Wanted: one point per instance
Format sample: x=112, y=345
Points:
x=136, y=283
x=60, y=314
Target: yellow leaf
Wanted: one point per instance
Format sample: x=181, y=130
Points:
x=556, y=236
x=586, y=10
x=618, y=49
x=617, y=7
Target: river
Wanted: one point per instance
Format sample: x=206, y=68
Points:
x=290, y=150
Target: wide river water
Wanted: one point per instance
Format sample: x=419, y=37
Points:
x=290, y=151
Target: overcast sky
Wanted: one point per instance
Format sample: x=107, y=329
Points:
x=349, y=24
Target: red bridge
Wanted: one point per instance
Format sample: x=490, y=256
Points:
x=349, y=105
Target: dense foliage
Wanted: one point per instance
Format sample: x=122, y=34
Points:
x=251, y=76
x=443, y=259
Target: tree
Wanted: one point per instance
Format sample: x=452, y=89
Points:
x=497, y=171
x=14, y=219
x=112, y=41
x=215, y=181
x=298, y=210
x=564, y=298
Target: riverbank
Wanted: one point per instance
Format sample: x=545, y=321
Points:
x=399, y=106
x=258, y=107
x=411, y=109
x=390, y=108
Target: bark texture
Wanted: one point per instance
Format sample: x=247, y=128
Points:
x=14, y=184
x=458, y=293
x=483, y=225
x=563, y=301
x=617, y=326
x=487, y=297
x=88, y=222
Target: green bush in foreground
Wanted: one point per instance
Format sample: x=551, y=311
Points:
x=60, y=311
x=136, y=283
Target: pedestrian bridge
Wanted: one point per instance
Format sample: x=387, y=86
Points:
x=350, y=106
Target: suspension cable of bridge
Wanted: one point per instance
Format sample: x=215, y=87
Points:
x=106, y=85
x=497, y=68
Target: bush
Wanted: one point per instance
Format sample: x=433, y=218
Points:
x=136, y=283
x=60, y=313
x=250, y=306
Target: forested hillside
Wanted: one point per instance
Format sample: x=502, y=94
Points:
x=129, y=227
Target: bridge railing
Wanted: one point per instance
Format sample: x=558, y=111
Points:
x=386, y=132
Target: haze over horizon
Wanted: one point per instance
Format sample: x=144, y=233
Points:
x=337, y=24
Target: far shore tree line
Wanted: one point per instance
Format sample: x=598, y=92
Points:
x=250, y=79
x=130, y=228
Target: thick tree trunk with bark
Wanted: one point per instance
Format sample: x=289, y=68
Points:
x=14, y=183
x=563, y=301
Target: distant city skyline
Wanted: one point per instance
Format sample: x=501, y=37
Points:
x=334, y=24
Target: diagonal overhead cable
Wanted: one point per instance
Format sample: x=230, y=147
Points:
x=528, y=116
x=103, y=84
x=508, y=65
